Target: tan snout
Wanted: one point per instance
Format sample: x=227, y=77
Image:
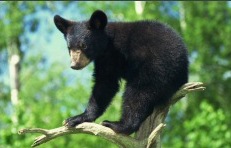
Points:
x=78, y=59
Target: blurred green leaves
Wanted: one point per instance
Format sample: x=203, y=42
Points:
x=208, y=128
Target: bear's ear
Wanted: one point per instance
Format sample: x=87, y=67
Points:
x=62, y=24
x=98, y=20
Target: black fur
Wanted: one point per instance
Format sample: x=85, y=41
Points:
x=149, y=55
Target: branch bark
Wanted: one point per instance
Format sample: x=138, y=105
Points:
x=159, y=113
x=145, y=137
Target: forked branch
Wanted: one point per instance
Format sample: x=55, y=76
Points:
x=107, y=133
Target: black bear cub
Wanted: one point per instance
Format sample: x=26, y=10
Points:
x=150, y=56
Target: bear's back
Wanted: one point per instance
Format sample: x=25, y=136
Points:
x=154, y=52
x=150, y=37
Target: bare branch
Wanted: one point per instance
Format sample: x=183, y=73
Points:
x=152, y=137
x=88, y=128
x=150, y=141
x=187, y=88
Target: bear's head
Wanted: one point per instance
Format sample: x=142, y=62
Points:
x=86, y=40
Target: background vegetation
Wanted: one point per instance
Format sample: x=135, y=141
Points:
x=49, y=91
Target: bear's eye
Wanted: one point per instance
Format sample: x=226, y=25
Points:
x=82, y=45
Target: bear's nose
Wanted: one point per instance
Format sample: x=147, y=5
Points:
x=75, y=65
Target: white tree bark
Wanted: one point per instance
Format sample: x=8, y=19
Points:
x=139, y=7
x=14, y=78
x=14, y=61
x=182, y=16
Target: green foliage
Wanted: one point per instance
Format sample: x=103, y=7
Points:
x=12, y=24
x=49, y=93
x=207, y=35
x=208, y=129
x=45, y=102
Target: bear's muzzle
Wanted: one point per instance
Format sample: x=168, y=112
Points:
x=78, y=59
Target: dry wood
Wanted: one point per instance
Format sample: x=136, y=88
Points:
x=148, y=135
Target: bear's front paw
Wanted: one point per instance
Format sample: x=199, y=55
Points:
x=73, y=121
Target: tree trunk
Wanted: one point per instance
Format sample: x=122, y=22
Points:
x=139, y=7
x=182, y=16
x=155, y=119
x=14, y=67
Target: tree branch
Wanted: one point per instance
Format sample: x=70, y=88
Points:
x=107, y=133
x=185, y=89
x=88, y=128
x=153, y=136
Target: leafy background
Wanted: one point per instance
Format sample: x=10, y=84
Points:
x=50, y=91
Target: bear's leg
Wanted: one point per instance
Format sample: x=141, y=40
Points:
x=102, y=95
x=137, y=106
